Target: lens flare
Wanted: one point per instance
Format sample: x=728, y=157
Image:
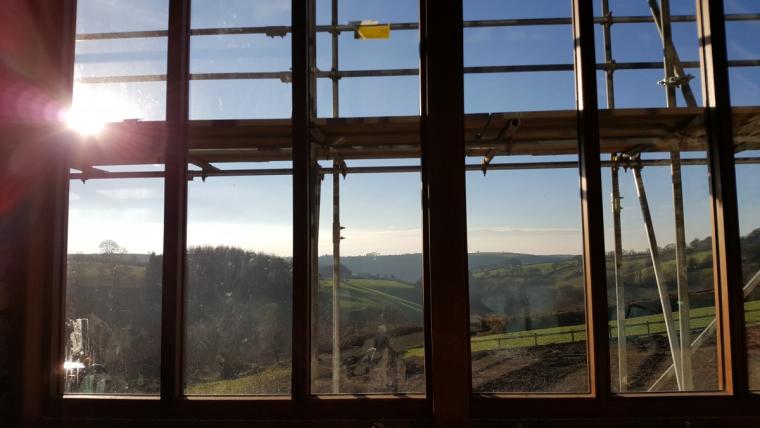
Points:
x=86, y=123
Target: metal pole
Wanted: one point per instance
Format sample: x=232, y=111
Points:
x=682, y=279
x=334, y=76
x=608, y=53
x=336, y=281
x=281, y=31
x=315, y=197
x=667, y=40
x=105, y=175
x=616, y=207
x=660, y=279
x=671, y=54
x=619, y=287
x=336, y=211
x=312, y=196
x=749, y=287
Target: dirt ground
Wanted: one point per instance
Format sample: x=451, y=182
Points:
x=562, y=368
x=753, y=356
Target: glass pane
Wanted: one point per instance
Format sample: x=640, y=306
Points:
x=119, y=76
x=527, y=304
x=105, y=16
x=239, y=13
x=238, y=296
x=367, y=326
x=245, y=75
x=657, y=221
x=374, y=71
x=239, y=281
x=745, y=98
x=113, y=285
x=636, y=51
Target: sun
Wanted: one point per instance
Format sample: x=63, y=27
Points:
x=86, y=123
x=94, y=107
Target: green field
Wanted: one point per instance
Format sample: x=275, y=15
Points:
x=271, y=379
x=360, y=294
x=638, y=326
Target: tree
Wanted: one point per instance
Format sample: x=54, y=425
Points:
x=111, y=262
x=109, y=247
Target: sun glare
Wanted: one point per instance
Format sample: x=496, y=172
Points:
x=86, y=123
x=93, y=109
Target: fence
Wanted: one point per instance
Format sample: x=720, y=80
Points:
x=571, y=334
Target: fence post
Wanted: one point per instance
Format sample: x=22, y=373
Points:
x=648, y=332
x=535, y=338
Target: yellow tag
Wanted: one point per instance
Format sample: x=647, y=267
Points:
x=373, y=31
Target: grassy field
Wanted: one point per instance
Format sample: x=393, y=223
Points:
x=638, y=326
x=132, y=275
x=359, y=294
x=271, y=380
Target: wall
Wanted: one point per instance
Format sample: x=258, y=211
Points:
x=4, y=329
x=33, y=87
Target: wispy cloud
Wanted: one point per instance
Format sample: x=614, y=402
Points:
x=524, y=230
x=128, y=194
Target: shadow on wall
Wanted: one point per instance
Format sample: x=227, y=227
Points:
x=4, y=335
x=5, y=315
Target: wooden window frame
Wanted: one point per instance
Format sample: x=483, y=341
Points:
x=449, y=400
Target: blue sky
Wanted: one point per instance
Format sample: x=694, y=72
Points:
x=517, y=211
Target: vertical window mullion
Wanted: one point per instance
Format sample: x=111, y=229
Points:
x=443, y=154
x=302, y=248
x=591, y=199
x=726, y=238
x=175, y=199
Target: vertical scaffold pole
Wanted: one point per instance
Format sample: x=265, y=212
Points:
x=336, y=206
x=334, y=70
x=616, y=207
x=662, y=289
x=607, y=35
x=619, y=287
x=315, y=196
x=682, y=279
x=315, y=184
x=336, y=281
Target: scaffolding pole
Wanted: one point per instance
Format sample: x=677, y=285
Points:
x=622, y=345
x=282, y=31
x=98, y=174
x=619, y=286
x=749, y=287
x=334, y=75
x=316, y=189
x=670, y=53
x=674, y=70
x=682, y=278
x=336, y=280
x=662, y=288
x=607, y=36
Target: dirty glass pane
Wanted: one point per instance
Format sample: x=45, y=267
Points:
x=120, y=60
x=238, y=305
x=367, y=326
x=527, y=304
x=112, y=335
x=242, y=73
x=661, y=297
x=743, y=52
